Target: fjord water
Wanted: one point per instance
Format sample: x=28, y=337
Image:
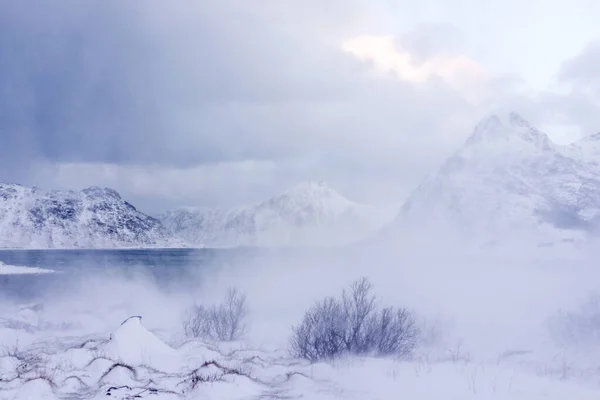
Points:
x=160, y=265
x=163, y=268
x=66, y=260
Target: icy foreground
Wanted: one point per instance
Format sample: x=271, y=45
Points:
x=133, y=363
x=308, y=214
x=92, y=218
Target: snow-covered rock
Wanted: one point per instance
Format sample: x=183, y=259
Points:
x=91, y=218
x=132, y=344
x=509, y=182
x=310, y=213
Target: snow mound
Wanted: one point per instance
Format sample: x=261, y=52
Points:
x=133, y=344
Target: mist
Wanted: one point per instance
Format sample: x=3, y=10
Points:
x=226, y=105
x=503, y=315
x=488, y=304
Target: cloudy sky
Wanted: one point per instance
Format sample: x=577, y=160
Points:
x=224, y=102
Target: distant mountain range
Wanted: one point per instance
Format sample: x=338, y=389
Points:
x=509, y=182
x=309, y=214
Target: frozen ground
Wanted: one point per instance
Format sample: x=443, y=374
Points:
x=134, y=363
x=491, y=330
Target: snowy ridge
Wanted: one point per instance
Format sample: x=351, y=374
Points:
x=91, y=218
x=310, y=213
x=587, y=150
x=510, y=182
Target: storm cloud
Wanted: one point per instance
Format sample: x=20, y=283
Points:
x=213, y=94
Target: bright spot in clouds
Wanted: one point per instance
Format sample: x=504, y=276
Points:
x=463, y=74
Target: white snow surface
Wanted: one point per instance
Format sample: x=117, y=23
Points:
x=509, y=182
x=308, y=214
x=20, y=270
x=133, y=363
x=485, y=320
x=91, y=218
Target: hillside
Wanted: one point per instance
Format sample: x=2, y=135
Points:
x=91, y=218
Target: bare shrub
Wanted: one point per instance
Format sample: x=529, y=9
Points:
x=212, y=371
x=225, y=321
x=321, y=334
x=30, y=365
x=354, y=325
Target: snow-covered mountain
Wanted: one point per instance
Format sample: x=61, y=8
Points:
x=91, y=218
x=310, y=213
x=587, y=150
x=509, y=182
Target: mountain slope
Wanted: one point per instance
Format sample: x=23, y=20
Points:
x=587, y=150
x=307, y=214
x=508, y=181
x=92, y=218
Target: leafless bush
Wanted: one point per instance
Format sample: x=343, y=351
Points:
x=213, y=371
x=11, y=350
x=354, y=325
x=28, y=361
x=225, y=321
x=30, y=365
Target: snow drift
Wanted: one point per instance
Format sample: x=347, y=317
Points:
x=135, y=363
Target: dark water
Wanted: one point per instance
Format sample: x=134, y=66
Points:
x=168, y=268
x=164, y=266
x=69, y=260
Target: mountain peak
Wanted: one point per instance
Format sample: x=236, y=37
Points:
x=488, y=129
x=316, y=187
x=517, y=120
x=312, y=194
x=506, y=128
x=98, y=192
x=309, y=213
